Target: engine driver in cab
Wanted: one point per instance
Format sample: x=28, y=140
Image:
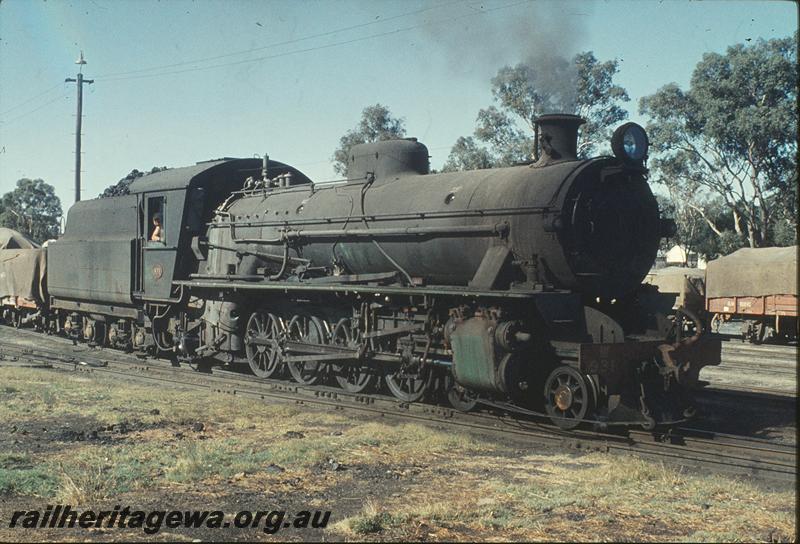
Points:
x=158, y=230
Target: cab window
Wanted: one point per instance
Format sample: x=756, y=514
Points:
x=156, y=233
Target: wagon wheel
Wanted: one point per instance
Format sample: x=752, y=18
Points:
x=261, y=344
x=95, y=336
x=716, y=322
x=355, y=377
x=408, y=384
x=756, y=332
x=568, y=397
x=458, y=396
x=16, y=319
x=312, y=330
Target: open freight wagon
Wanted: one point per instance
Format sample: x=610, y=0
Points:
x=759, y=287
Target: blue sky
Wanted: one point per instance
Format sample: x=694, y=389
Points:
x=308, y=69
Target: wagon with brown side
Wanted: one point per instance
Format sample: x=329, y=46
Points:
x=759, y=287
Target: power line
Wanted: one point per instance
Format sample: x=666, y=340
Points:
x=33, y=110
x=113, y=76
x=309, y=49
x=257, y=59
x=206, y=59
x=276, y=44
x=29, y=100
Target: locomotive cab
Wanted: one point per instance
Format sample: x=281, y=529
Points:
x=107, y=256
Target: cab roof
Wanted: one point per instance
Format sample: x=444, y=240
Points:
x=203, y=172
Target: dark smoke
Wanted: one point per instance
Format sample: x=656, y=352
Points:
x=545, y=35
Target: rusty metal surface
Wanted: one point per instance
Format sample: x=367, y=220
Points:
x=688, y=357
x=613, y=361
x=784, y=305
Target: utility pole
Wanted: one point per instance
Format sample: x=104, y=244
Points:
x=80, y=81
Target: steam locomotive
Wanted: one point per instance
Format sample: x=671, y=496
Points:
x=513, y=287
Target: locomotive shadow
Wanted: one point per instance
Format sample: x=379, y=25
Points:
x=759, y=415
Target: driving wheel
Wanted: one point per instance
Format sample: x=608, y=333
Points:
x=261, y=344
x=310, y=330
x=353, y=377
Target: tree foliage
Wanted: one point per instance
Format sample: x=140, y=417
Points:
x=467, y=155
x=693, y=233
x=730, y=142
x=122, y=187
x=33, y=209
x=582, y=86
x=377, y=123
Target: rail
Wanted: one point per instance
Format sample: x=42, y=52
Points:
x=681, y=446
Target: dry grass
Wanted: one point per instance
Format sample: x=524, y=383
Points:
x=596, y=497
x=408, y=481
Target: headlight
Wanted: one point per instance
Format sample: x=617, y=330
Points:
x=630, y=143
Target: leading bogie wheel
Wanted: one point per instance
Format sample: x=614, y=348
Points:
x=568, y=397
x=308, y=329
x=262, y=344
x=458, y=396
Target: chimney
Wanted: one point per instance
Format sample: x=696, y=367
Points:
x=558, y=137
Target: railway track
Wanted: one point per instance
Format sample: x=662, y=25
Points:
x=775, y=353
x=766, y=372
x=694, y=448
x=758, y=368
x=782, y=355
x=767, y=394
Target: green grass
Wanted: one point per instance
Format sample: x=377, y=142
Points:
x=19, y=475
x=196, y=461
x=374, y=523
x=100, y=472
x=37, y=482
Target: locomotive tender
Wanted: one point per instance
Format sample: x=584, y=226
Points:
x=491, y=286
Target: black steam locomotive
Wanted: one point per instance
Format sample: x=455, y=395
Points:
x=514, y=287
